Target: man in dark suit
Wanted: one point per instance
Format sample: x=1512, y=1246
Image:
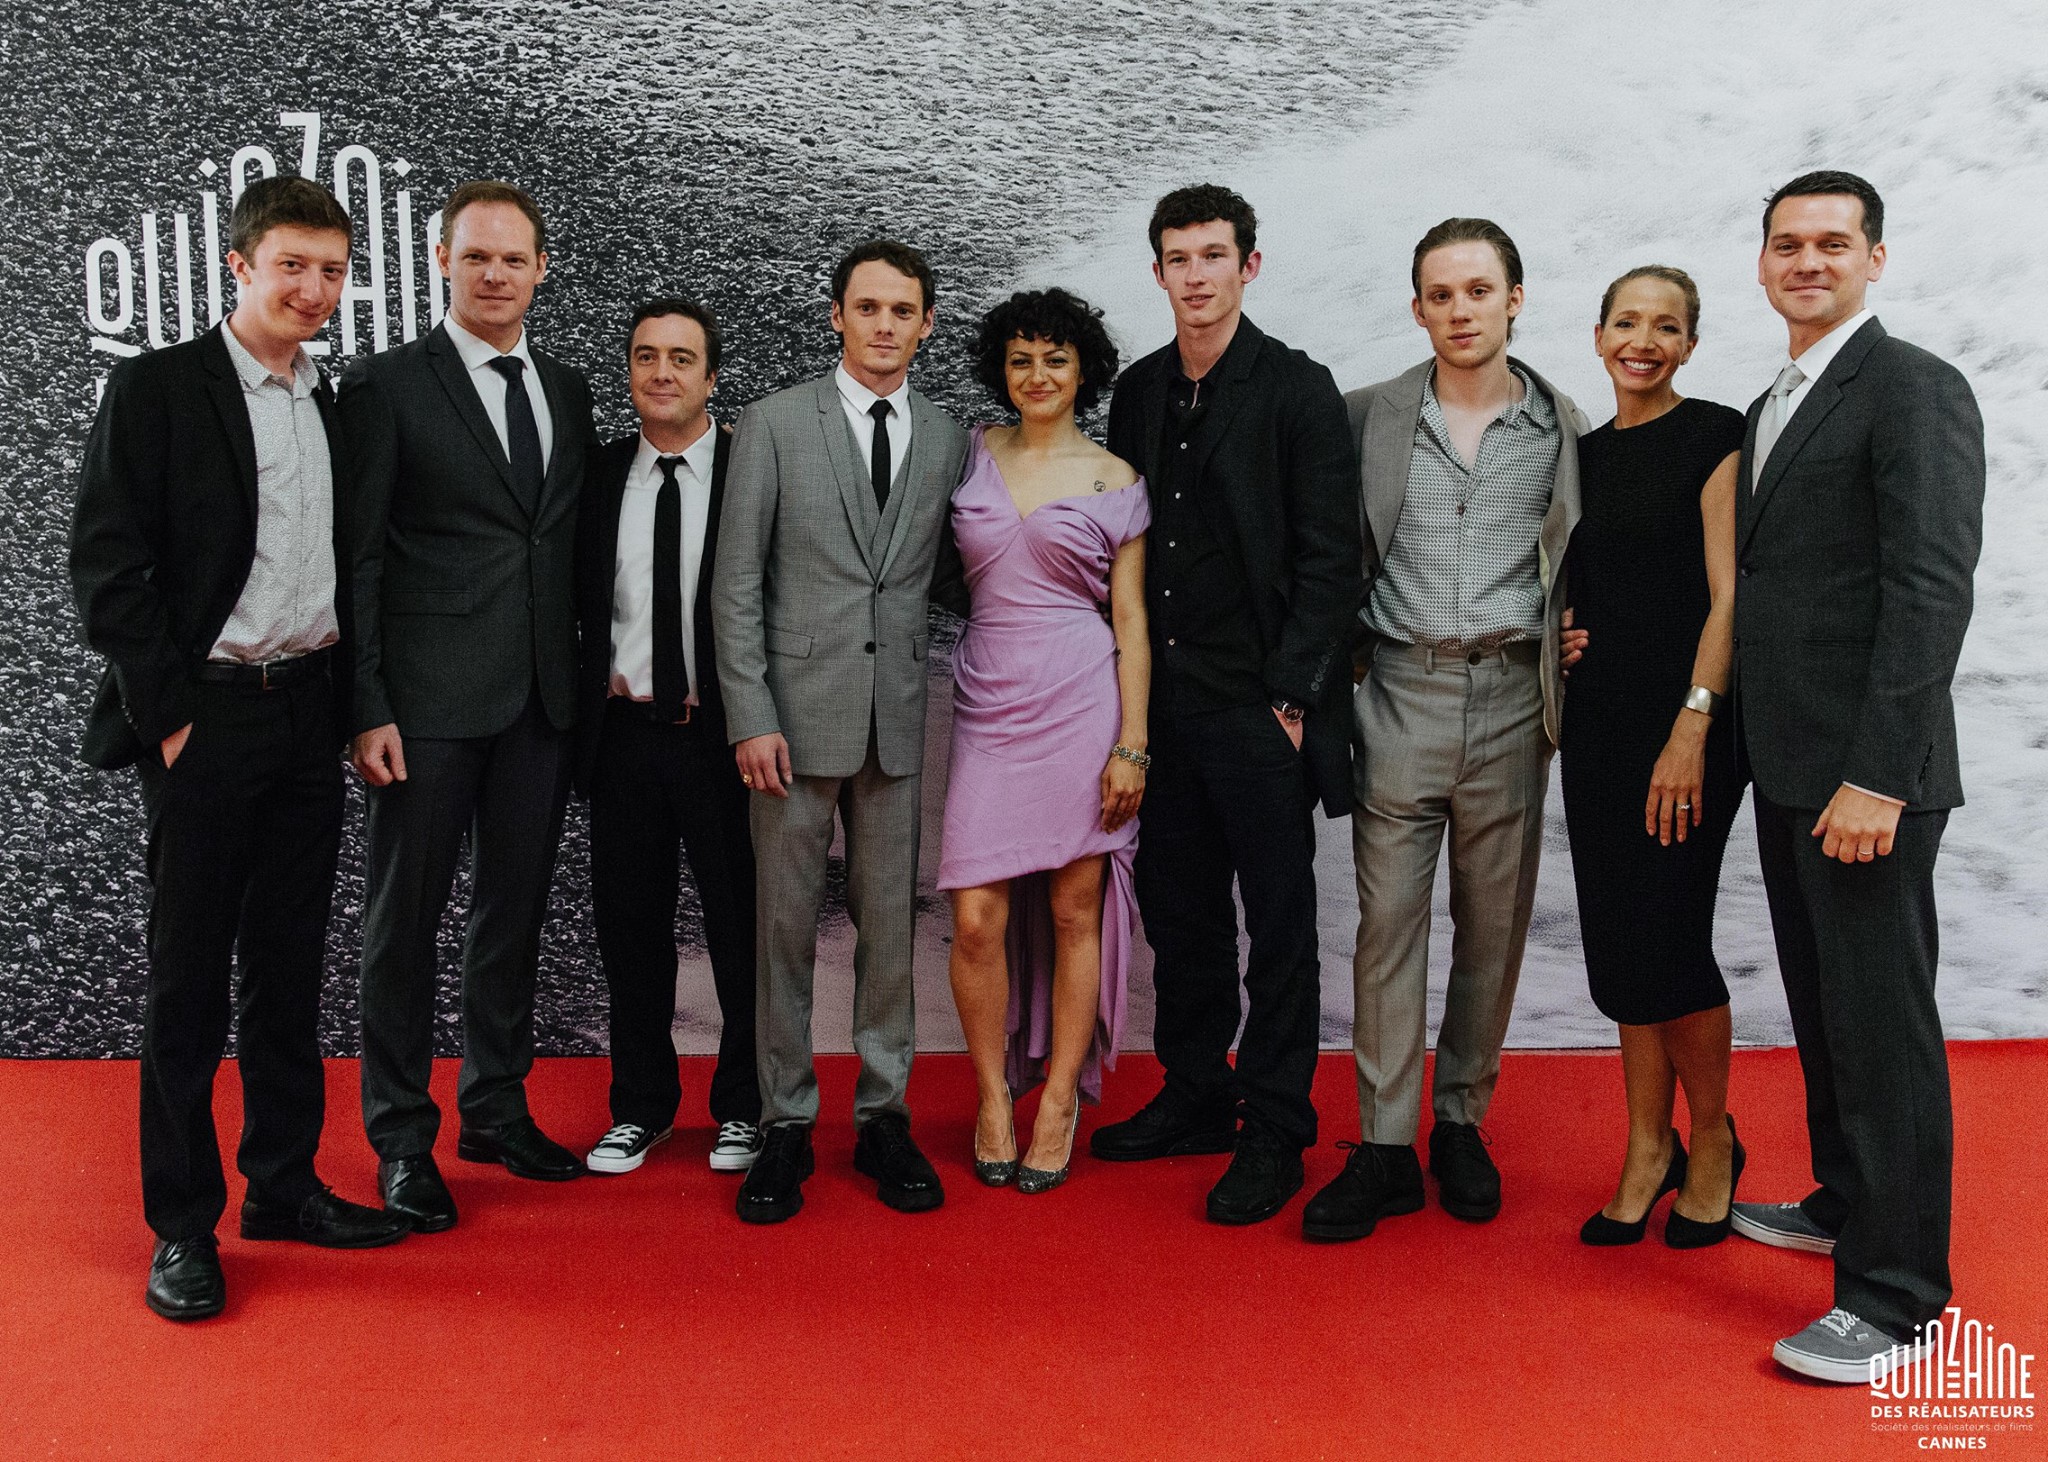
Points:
x=209, y=567
x=1860, y=520
x=471, y=447
x=650, y=743
x=1251, y=582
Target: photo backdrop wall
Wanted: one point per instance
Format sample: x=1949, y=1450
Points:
x=733, y=150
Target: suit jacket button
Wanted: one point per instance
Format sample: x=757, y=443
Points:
x=1745, y=571
x=869, y=647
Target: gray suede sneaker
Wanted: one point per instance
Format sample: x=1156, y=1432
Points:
x=1841, y=1348
x=1782, y=1226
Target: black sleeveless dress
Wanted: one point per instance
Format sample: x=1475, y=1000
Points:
x=1637, y=582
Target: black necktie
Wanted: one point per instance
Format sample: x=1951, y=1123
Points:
x=878, y=463
x=671, y=669
x=522, y=432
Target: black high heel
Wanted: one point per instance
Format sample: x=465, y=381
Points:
x=1681, y=1232
x=1603, y=1232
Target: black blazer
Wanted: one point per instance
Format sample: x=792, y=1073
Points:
x=463, y=599
x=1853, y=585
x=164, y=533
x=597, y=548
x=1279, y=450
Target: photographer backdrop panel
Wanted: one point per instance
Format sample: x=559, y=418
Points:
x=733, y=154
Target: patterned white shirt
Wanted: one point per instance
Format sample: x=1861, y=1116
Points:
x=287, y=605
x=1462, y=566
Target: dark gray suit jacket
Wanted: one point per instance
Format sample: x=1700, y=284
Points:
x=1853, y=586
x=463, y=599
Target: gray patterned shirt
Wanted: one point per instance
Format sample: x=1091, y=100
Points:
x=1463, y=563
x=287, y=605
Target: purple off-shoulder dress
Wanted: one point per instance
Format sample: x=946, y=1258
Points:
x=1035, y=711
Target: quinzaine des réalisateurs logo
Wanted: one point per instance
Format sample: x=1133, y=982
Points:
x=1956, y=1387
x=390, y=250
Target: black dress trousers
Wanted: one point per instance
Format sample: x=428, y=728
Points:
x=1228, y=798
x=660, y=793
x=244, y=831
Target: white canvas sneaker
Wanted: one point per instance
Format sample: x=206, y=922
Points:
x=738, y=1144
x=624, y=1148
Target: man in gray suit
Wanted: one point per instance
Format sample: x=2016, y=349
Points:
x=1469, y=491
x=836, y=517
x=470, y=446
x=1859, y=523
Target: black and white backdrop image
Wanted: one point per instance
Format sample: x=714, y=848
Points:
x=732, y=150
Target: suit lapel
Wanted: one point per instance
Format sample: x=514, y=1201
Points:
x=224, y=387
x=1745, y=500
x=557, y=477
x=856, y=489
x=1821, y=398
x=720, y=453
x=1386, y=452
x=454, y=378
x=1233, y=373
x=924, y=426
x=1563, y=513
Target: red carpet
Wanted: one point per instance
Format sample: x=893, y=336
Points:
x=636, y=1316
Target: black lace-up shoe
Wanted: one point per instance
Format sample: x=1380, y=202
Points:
x=525, y=1150
x=1262, y=1176
x=327, y=1220
x=413, y=1190
x=903, y=1179
x=774, y=1187
x=185, y=1281
x=1467, y=1182
x=1378, y=1181
x=1167, y=1126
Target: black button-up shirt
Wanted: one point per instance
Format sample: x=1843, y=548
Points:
x=1205, y=645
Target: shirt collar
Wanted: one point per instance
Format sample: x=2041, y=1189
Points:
x=861, y=398
x=1534, y=406
x=254, y=373
x=478, y=353
x=697, y=457
x=1818, y=356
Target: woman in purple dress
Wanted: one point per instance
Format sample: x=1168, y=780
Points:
x=1049, y=759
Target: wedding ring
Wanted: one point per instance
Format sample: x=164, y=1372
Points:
x=1685, y=807
x=746, y=780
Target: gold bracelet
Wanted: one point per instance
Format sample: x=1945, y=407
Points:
x=1138, y=759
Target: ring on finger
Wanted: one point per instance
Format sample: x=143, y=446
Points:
x=1685, y=807
x=746, y=779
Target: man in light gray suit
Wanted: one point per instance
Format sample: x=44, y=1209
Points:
x=1859, y=519
x=1469, y=491
x=836, y=517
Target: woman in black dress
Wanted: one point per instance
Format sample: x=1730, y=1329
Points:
x=1649, y=767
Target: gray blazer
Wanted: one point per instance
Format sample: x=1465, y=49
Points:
x=1383, y=420
x=818, y=601
x=1854, y=558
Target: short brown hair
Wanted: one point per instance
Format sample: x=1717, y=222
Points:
x=489, y=190
x=1670, y=275
x=1205, y=203
x=1467, y=231
x=270, y=203
x=900, y=257
x=689, y=309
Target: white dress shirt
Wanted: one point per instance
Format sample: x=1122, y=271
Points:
x=286, y=607
x=477, y=356
x=633, y=567
x=857, y=399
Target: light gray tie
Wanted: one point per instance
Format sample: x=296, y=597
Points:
x=1772, y=423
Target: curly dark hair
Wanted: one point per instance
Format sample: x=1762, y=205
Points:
x=1204, y=203
x=1053, y=315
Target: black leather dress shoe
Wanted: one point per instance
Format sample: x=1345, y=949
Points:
x=324, y=1219
x=1262, y=1176
x=185, y=1281
x=525, y=1150
x=1467, y=1182
x=1379, y=1180
x=1167, y=1126
x=413, y=1190
x=904, y=1180
x=774, y=1185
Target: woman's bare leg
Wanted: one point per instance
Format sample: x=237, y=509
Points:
x=1076, y=998
x=1650, y=1083
x=980, y=974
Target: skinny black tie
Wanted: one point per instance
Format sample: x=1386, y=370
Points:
x=522, y=432
x=671, y=669
x=878, y=463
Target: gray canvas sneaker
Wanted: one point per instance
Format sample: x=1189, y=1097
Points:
x=1841, y=1348
x=1782, y=1226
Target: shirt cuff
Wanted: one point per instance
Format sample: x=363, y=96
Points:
x=1895, y=801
